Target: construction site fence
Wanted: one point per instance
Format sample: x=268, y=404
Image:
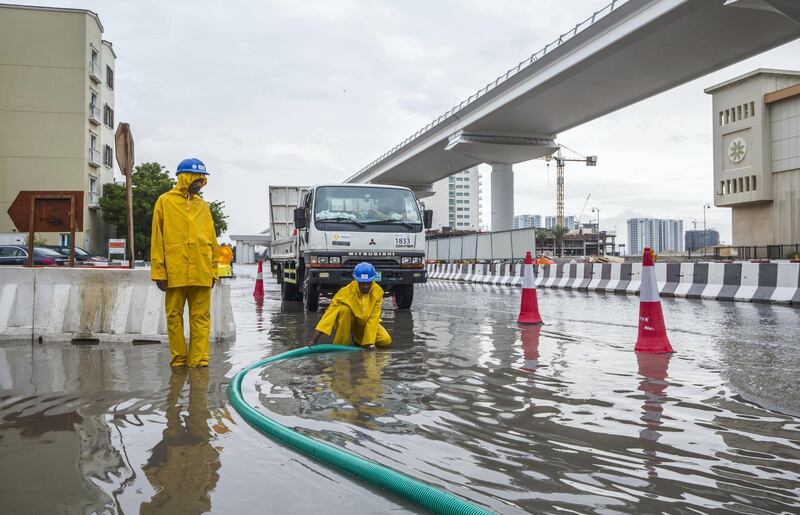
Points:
x=486, y=246
x=744, y=253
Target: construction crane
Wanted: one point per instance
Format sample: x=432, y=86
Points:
x=578, y=220
x=560, y=160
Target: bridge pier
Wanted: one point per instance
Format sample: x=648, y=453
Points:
x=502, y=196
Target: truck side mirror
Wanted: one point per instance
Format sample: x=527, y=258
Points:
x=427, y=218
x=300, y=221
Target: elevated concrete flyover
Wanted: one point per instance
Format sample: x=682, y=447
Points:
x=628, y=51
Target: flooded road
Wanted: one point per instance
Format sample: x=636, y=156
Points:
x=552, y=418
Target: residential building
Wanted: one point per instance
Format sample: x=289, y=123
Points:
x=56, y=111
x=456, y=201
x=697, y=239
x=527, y=221
x=550, y=222
x=660, y=234
x=756, y=139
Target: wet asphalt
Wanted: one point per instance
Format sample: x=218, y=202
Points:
x=516, y=419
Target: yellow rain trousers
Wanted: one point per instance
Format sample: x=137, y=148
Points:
x=183, y=252
x=355, y=316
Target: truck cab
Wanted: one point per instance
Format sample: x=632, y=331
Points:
x=337, y=226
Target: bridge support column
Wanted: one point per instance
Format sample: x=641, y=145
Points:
x=502, y=197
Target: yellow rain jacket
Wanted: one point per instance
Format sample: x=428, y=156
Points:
x=354, y=314
x=183, y=244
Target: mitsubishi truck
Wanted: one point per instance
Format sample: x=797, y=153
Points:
x=320, y=233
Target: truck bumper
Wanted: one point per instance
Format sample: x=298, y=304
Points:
x=389, y=277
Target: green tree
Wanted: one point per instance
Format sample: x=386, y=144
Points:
x=220, y=218
x=149, y=181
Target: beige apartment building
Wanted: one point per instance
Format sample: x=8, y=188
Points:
x=56, y=111
x=756, y=142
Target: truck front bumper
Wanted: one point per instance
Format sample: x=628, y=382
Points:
x=389, y=276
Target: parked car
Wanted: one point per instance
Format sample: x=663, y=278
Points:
x=18, y=255
x=81, y=255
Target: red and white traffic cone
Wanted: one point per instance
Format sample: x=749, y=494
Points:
x=258, y=291
x=652, y=332
x=529, y=307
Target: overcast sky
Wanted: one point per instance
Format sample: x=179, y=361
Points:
x=287, y=92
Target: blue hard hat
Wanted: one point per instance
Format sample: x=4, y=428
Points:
x=191, y=165
x=364, y=272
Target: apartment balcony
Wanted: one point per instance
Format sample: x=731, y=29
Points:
x=95, y=72
x=94, y=158
x=94, y=114
x=94, y=200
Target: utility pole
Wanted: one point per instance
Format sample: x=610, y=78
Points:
x=705, y=231
x=603, y=246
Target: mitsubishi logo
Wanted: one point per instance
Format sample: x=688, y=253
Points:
x=372, y=241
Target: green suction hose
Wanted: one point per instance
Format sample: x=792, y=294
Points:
x=415, y=491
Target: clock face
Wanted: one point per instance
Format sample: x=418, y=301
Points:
x=737, y=150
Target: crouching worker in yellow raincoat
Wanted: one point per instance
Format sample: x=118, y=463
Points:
x=355, y=312
x=183, y=255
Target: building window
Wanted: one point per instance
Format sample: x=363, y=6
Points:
x=108, y=116
x=752, y=108
x=108, y=156
x=109, y=77
x=753, y=182
x=64, y=239
x=739, y=112
x=747, y=110
x=94, y=198
x=741, y=185
x=747, y=184
x=727, y=116
x=721, y=187
x=722, y=117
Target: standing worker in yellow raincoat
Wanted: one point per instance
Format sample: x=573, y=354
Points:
x=183, y=255
x=355, y=312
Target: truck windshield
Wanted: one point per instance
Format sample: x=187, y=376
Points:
x=361, y=205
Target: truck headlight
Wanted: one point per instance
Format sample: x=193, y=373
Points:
x=335, y=260
x=314, y=260
x=405, y=260
x=323, y=260
x=416, y=260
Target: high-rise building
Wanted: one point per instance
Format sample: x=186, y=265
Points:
x=527, y=221
x=657, y=233
x=756, y=140
x=698, y=239
x=456, y=201
x=550, y=222
x=57, y=101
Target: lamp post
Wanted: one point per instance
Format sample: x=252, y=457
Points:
x=705, y=231
x=601, y=247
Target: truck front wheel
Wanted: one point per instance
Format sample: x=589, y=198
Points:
x=403, y=295
x=310, y=296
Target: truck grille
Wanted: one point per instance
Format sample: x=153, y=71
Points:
x=378, y=263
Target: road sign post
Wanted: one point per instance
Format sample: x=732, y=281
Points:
x=123, y=140
x=48, y=211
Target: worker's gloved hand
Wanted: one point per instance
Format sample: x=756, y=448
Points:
x=213, y=282
x=162, y=285
x=371, y=347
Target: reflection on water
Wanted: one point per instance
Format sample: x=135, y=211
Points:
x=358, y=382
x=557, y=417
x=563, y=417
x=183, y=466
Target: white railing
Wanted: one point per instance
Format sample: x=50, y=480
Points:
x=94, y=113
x=94, y=157
x=95, y=71
x=502, y=78
x=94, y=199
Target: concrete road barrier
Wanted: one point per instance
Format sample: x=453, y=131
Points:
x=62, y=304
x=777, y=283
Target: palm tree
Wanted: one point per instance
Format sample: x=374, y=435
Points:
x=558, y=233
x=542, y=235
